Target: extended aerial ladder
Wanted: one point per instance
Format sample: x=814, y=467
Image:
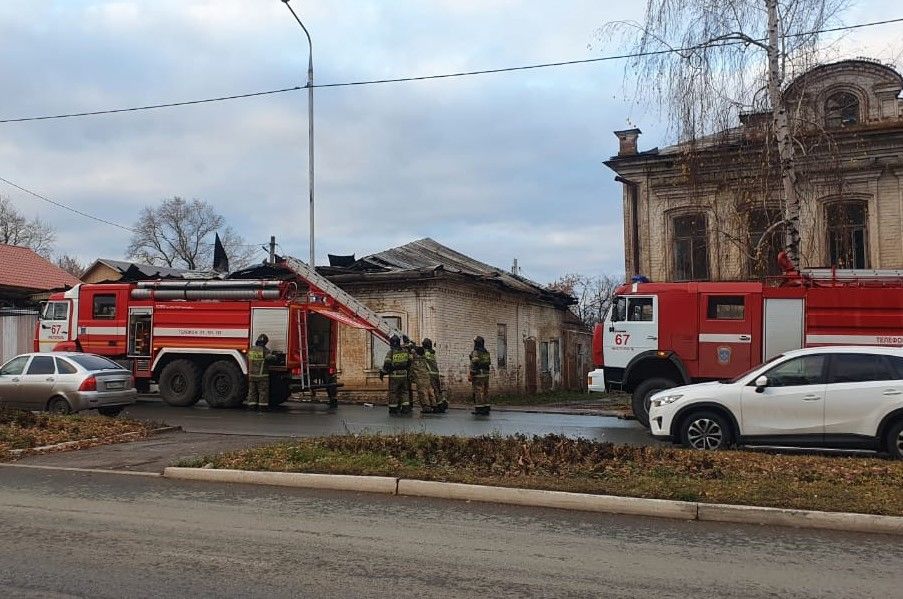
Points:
x=336, y=301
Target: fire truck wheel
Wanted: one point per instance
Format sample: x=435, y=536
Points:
x=180, y=383
x=642, y=397
x=895, y=440
x=224, y=385
x=706, y=430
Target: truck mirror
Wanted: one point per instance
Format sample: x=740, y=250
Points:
x=761, y=383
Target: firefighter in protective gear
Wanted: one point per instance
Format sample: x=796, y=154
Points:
x=258, y=373
x=397, y=365
x=420, y=376
x=430, y=354
x=479, y=376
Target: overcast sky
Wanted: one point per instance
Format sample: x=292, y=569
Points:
x=495, y=166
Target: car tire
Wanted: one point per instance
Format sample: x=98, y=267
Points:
x=110, y=411
x=642, y=395
x=225, y=385
x=180, y=383
x=894, y=440
x=706, y=430
x=59, y=405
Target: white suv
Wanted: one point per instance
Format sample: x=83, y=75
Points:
x=843, y=397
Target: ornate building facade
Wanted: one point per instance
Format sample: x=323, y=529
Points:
x=710, y=209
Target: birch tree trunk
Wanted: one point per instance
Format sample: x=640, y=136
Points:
x=791, y=200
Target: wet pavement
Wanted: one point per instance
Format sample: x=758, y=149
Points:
x=305, y=420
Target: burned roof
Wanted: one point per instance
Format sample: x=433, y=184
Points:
x=426, y=257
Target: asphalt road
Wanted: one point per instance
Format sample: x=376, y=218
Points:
x=69, y=534
x=304, y=420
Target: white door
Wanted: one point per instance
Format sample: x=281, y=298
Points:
x=793, y=403
x=272, y=322
x=783, y=323
x=632, y=329
x=54, y=325
x=862, y=388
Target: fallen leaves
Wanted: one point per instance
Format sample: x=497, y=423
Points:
x=833, y=483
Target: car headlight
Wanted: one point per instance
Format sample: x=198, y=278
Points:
x=663, y=401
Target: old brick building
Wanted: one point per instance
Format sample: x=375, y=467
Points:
x=429, y=290
x=696, y=211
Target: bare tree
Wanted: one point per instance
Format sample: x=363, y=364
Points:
x=71, y=264
x=593, y=294
x=180, y=233
x=706, y=61
x=16, y=229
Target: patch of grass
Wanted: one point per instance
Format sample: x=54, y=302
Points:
x=830, y=483
x=20, y=429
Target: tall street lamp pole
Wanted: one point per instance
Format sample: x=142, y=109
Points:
x=310, y=130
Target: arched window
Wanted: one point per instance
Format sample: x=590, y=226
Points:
x=841, y=109
x=691, y=247
x=847, y=226
x=758, y=221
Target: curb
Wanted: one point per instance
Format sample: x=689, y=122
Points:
x=113, y=439
x=770, y=516
x=609, y=504
x=334, y=482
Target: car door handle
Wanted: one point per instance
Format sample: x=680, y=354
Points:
x=892, y=392
x=16, y=380
x=811, y=397
x=745, y=337
x=651, y=337
x=49, y=379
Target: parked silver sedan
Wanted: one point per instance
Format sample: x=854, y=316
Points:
x=66, y=383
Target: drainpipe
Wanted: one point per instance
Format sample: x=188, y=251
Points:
x=633, y=190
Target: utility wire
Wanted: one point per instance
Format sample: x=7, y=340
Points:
x=543, y=65
x=69, y=208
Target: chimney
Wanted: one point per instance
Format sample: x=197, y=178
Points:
x=627, y=139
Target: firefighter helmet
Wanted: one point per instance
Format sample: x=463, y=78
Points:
x=427, y=343
x=262, y=339
x=394, y=341
x=478, y=342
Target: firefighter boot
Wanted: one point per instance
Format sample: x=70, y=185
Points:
x=405, y=408
x=393, y=410
x=442, y=407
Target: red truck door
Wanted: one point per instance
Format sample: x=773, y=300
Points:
x=729, y=336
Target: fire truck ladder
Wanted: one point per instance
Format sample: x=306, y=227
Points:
x=853, y=275
x=380, y=328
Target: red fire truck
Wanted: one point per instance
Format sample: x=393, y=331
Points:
x=661, y=335
x=191, y=336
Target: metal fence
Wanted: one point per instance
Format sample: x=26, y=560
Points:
x=16, y=332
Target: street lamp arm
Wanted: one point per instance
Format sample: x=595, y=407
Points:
x=306, y=32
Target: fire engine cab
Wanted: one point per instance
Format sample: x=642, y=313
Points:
x=661, y=335
x=191, y=336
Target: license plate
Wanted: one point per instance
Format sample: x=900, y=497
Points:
x=116, y=385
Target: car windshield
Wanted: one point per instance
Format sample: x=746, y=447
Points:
x=89, y=362
x=739, y=377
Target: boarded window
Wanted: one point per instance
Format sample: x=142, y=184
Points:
x=104, y=307
x=555, y=357
x=726, y=307
x=544, y=356
x=847, y=234
x=691, y=248
x=378, y=347
x=501, y=346
x=841, y=109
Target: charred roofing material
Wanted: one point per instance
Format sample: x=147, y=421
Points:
x=426, y=258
